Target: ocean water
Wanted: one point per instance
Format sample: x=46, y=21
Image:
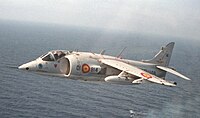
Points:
x=24, y=94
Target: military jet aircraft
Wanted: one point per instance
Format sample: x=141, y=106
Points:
x=90, y=66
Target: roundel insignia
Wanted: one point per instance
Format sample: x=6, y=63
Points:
x=146, y=75
x=40, y=66
x=85, y=68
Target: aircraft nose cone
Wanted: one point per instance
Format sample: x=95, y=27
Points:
x=23, y=67
x=28, y=66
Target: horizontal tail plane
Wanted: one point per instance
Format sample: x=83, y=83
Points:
x=173, y=72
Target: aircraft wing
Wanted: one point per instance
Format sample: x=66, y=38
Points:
x=135, y=71
x=173, y=72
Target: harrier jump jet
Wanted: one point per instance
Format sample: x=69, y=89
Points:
x=99, y=67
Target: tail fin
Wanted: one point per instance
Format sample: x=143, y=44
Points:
x=163, y=56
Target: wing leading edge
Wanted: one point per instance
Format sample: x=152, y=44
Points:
x=135, y=71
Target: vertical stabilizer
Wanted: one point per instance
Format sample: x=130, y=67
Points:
x=163, y=56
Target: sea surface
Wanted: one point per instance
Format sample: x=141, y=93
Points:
x=25, y=94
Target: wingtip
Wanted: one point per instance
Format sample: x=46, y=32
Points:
x=186, y=78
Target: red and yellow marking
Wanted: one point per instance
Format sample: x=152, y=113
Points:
x=85, y=68
x=146, y=75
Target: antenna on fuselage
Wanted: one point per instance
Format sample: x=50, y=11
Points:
x=102, y=52
x=119, y=55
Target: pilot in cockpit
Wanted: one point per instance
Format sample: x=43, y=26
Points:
x=58, y=54
x=53, y=56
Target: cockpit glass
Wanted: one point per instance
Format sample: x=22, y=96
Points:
x=48, y=57
x=58, y=54
x=53, y=56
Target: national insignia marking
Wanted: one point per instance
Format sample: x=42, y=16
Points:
x=146, y=75
x=85, y=68
x=40, y=66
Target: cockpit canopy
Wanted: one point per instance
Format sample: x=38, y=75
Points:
x=53, y=55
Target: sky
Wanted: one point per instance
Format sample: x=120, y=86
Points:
x=179, y=18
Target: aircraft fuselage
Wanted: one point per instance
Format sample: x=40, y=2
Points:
x=83, y=65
